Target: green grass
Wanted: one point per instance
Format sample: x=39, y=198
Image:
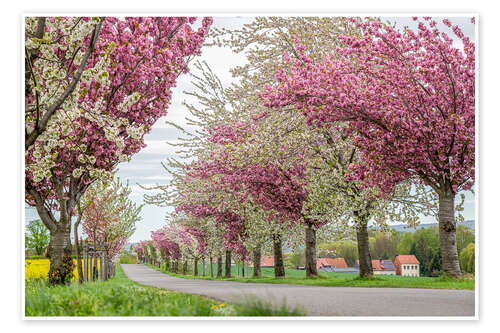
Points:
x=333, y=279
x=128, y=259
x=120, y=296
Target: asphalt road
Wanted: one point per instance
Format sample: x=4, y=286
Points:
x=320, y=301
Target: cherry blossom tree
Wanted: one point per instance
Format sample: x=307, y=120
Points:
x=140, y=249
x=409, y=101
x=109, y=216
x=284, y=139
x=57, y=51
x=123, y=88
x=255, y=138
x=167, y=246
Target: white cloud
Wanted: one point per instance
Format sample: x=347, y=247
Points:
x=160, y=147
x=156, y=178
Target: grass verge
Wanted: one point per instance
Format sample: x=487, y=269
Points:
x=120, y=296
x=343, y=280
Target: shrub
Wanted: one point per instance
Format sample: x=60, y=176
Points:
x=467, y=258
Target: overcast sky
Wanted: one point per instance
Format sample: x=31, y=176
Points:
x=145, y=168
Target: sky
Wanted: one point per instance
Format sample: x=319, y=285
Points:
x=145, y=167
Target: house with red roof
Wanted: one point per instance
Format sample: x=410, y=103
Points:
x=267, y=261
x=407, y=265
x=330, y=264
x=381, y=267
x=339, y=263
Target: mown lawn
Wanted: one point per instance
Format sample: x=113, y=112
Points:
x=120, y=296
x=332, y=279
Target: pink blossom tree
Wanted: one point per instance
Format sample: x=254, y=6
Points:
x=124, y=87
x=166, y=246
x=278, y=190
x=109, y=217
x=409, y=101
x=180, y=242
x=232, y=224
x=139, y=249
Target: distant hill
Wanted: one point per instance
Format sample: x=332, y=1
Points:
x=404, y=228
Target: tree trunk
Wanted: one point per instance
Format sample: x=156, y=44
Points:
x=211, y=267
x=365, y=259
x=310, y=251
x=243, y=268
x=256, y=262
x=228, y=264
x=447, y=234
x=204, y=266
x=61, y=263
x=59, y=249
x=195, y=271
x=279, y=268
x=184, y=267
x=219, y=266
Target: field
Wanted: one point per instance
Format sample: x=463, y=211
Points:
x=339, y=279
x=120, y=296
x=39, y=268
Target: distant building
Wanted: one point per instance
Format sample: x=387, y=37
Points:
x=267, y=261
x=407, y=265
x=381, y=267
x=330, y=264
x=340, y=263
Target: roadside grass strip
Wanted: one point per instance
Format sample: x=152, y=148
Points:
x=332, y=279
x=120, y=296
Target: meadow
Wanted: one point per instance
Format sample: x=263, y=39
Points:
x=120, y=296
x=333, y=279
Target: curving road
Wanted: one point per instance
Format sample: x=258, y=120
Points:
x=320, y=301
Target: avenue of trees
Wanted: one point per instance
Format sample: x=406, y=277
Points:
x=333, y=124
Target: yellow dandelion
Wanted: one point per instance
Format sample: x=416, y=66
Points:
x=222, y=305
x=213, y=307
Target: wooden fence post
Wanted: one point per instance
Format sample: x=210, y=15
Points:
x=87, y=270
x=95, y=262
x=101, y=262
x=84, y=261
x=105, y=266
